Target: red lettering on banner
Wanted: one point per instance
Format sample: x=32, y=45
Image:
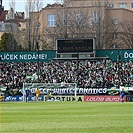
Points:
x=102, y=99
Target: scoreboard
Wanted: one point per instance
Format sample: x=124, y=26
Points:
x=74, y=47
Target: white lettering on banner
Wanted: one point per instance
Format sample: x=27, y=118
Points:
x=33, y=98
x=85, y=91
x=25, y=57
x=33, y=90
x=41, y=56
x=29, y=56
x=15, y=57
x=10, y=98
x=40, y=98
x=9, y=57
x=128, y=55
x=44, y=56
x=33, y=56
x=112, y=99
x=21, y=57
x=91, y=91
x=6, y=56
x=21, y=98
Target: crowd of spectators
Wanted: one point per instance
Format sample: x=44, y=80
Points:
x=85, y=73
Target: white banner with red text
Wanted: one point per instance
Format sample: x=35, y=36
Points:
x=104, y=98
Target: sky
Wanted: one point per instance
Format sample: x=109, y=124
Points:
x=20, y=4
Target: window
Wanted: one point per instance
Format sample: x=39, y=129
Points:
x=0, y=27
x=94, y=17
x=114, y=46
x=131, y=5
x=115, y=21
x=8, y=27
x=80, y=19
x=122, y=5
x=111, y=5
x=66, y=19
x=51, y=20
x=114, y=35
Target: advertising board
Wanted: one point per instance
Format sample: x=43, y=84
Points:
x=21, y=98
x=103, y=98
x=33, y=98
x=65, y=98
x=71, y=91
x=129, y=98
x=13, y=98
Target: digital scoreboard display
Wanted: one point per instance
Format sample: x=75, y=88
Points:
x=74, y=45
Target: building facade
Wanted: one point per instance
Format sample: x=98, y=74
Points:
x=126, y=4
x=14, y=23
x=110, y=22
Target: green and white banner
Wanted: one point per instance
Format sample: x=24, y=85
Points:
x=125, y=55
x=34, y=56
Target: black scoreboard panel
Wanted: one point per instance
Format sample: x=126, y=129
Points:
x=75, y=45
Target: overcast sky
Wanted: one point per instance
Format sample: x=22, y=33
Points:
x=20, y=4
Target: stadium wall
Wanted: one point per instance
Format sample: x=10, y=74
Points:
x=46, y=56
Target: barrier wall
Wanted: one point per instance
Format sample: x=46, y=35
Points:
x=91, y=98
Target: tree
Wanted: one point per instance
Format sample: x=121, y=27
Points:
x=21, y=38
x=81, y=21
x=70, y=22
x=102, y=24
x=125, y=34
x=8, y=42
x=32, y=11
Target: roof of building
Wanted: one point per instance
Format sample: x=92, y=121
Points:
x=19, y=15
x=53, y=5
x=3, y=15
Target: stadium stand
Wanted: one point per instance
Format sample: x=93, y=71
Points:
x=84, y=73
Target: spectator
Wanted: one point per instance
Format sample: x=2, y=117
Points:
x=84, y=73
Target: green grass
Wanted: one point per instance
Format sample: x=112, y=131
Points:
x=66, y=117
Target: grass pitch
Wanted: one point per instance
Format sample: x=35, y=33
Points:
x=66, y=117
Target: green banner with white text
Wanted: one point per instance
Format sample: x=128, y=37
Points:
x=124, y=54
x=34, y=56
